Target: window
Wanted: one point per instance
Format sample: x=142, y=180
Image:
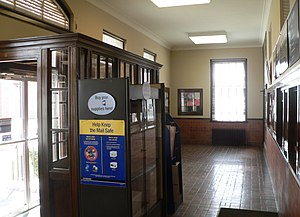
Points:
x=284, y=11
x=228, y=90
x=149, y=55
x=19, y=183
x=113, y=40
x=46, y=11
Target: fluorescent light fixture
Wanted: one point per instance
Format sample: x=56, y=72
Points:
x=209, y=38
x=174, y=3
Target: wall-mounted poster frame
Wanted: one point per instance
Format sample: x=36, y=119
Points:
x=293, y=34
x=190, y=101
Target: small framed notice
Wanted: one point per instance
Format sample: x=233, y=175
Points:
x=190, y=101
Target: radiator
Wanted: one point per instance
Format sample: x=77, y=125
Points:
x=228, y=137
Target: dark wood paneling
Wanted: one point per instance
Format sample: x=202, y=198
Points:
x=74, y=147
x=286, y=186
x=60, y=193
x=199, y=131
x=61, y=198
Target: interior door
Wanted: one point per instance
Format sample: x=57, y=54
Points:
x=19, y=183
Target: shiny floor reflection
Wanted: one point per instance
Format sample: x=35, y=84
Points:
x=224, y=176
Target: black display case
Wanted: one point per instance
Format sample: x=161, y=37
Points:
x=174, y=165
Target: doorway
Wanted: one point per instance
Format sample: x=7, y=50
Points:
x=19, y=183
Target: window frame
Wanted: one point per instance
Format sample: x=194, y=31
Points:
x=24, y=17
x=212, y=61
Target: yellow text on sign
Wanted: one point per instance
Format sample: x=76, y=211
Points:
x=103, y=127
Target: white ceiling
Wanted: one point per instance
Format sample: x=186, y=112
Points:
x=243, y=20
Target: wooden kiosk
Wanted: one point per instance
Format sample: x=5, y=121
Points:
x=58, y=62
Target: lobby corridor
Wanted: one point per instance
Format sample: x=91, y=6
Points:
x=224, y=176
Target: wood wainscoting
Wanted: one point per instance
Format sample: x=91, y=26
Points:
x=285, y=184
x=199, y=131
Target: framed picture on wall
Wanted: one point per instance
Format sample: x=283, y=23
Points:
x=190, y=101
x=293, y=34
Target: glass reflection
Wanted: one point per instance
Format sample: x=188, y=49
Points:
x=12, y=184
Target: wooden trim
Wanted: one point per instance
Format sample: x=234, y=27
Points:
x=44, y=176
x=82, y=41
x=74, y=129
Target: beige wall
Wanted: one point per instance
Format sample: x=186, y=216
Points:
x=274, y=27
x=11, y=29
x=191, y=69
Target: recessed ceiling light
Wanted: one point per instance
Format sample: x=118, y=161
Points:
x=208, y=38
x=174, y=3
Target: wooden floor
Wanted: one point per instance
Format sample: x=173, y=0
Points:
x=224, y=176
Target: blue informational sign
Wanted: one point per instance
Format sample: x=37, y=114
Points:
x=102, y=160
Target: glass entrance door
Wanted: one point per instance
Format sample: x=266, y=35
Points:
x=19, y=184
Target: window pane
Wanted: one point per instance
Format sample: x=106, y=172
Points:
x=32, y=110
x=11, y=111
x=228, y=90
x=133, y=76
x=19, y=188
x=12, y=184
x=34, y=171
x=113, y=40
x=109, y=67
x=102, y=67
x=59, y=109
x=63, y=145
x=59, y=69
x=59, y=100
x=149, y=55
x=94, y=72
